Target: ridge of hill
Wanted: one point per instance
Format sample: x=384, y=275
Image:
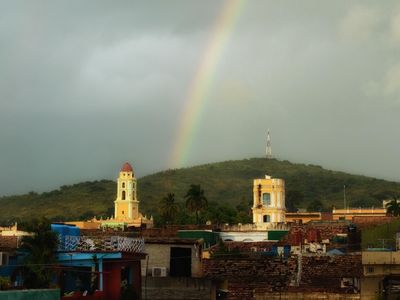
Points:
x=226, y=184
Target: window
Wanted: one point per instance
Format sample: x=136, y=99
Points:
x=370, y=269
x=266, y=199
x=123, y=195
x=123, y=184
x=266, y=219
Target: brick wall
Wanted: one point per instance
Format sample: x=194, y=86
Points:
x=249, y=246
x=262, y=276
x=305, y=295
x=162, y=288
x=171, y=230
x=363, y=222
x=8, y=242
x=265, y=270
x=324, y=231
x=324, y=273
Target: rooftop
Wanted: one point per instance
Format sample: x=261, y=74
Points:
x=101, y=243
x=126, y=167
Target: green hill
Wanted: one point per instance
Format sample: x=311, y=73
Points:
x=227, y=185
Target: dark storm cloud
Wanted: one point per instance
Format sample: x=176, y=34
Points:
x=86, y=85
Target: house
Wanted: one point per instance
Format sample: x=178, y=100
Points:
x=238, y=273
x=381, y=270
x=99, y=265
x=173, y=269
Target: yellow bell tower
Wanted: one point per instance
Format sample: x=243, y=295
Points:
x=126, y=206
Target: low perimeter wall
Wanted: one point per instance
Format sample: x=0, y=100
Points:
x=175, y=288
x=307, y=296
x=53, y=294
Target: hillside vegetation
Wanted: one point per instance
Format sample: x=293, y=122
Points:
x=227, y=185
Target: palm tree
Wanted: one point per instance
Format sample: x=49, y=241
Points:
x=195, y=200
x=393, y=207
x=40, y=248
x=168, y=208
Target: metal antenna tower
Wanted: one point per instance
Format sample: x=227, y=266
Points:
x=269, y=149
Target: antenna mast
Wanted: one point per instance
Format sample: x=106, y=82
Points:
x=269, y=149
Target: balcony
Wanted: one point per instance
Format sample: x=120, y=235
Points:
x=71, y=243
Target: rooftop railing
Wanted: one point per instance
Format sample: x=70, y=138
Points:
x=101, y=243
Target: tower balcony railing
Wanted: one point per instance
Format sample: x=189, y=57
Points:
x=101, y=244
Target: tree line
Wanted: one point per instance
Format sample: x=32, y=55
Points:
x=197, y=209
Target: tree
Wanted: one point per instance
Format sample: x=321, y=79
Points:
x=315, y=205
x=293, y=199
x=40, y=254
x=168, y=208
x=393, y=207
x=196, y=201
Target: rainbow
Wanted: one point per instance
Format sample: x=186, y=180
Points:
x=202, y=82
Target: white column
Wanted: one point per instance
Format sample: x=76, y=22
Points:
x=279, y=200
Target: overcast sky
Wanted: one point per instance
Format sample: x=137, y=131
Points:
x=87, y=85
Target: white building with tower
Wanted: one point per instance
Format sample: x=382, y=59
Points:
x=268, y=202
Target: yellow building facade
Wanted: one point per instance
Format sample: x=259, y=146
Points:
x=305, y=217
x=126, y=206
x=268, y=201
x=350, y=213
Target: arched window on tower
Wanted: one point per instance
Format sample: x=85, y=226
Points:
x=123, y=185
x=123, y=195
x=266, y=199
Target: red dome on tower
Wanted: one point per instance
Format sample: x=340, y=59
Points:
x=126, y=167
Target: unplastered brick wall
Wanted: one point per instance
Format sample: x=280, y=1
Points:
x=8, y=242
x=171, y=230
x=250, y=276
x=325, y=231
x=246, y=275
x=266, y=270
x=363, y=222
x=306, y=295
x=246, y=247
x=326, y=272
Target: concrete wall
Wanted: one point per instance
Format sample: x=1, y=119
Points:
x=370, y=288
x=159, y=256
x=379, y=263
